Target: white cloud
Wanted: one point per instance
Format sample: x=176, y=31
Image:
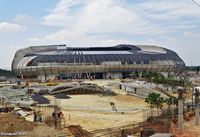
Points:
x=24, y=19
x=81, y=19
x=76, y=39
x=105, y=16
x=61, y=15
x=98, y=16
x=110, y=42
x=6, y=27
x=191, y=34
x=103, y=22
x=170, y=9
x=115, y=16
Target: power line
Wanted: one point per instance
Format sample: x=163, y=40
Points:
x=196, y=3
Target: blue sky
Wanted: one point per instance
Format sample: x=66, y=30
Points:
x=172, y=24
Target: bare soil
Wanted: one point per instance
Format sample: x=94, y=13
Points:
x=10, y=123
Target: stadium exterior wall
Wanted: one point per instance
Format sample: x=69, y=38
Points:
x=48, y=62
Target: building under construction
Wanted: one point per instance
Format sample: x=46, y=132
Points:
x=60, y=61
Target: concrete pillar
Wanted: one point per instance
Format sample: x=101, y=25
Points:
x=197, y=114
x=140, y=74
x=104, y=75
x=50, y=77
x=42, y=77
x=180, y=115
x=57, y=121
x=113, y=75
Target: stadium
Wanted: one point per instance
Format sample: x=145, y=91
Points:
x=120, y=61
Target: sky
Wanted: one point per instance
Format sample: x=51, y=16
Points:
x=173, y=24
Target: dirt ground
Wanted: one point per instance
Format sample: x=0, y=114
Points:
x=190, y=126
x=95, y=112
x=44, y=131
x=10, y=123
x=18, y=126
x=94, y=120
x=195, y=129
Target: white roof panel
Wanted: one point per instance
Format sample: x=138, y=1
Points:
x=85, y=52
x=106, y=52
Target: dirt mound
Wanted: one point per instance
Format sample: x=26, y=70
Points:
x=11, y=123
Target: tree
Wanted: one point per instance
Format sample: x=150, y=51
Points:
x=154, y=100
x=198, y=69
x=6, y=73
x=171, y=101
x=185, y=83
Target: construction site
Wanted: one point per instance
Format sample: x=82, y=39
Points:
x=97, y=108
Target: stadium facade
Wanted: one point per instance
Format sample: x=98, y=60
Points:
x=49, y=62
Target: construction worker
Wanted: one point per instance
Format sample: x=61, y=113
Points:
x=54, y=115
x=6, y=109
x=27, y=84
x=60, y=115
x=141, y=132
x=34, y=116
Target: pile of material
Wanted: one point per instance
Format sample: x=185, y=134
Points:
x=11, y=123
